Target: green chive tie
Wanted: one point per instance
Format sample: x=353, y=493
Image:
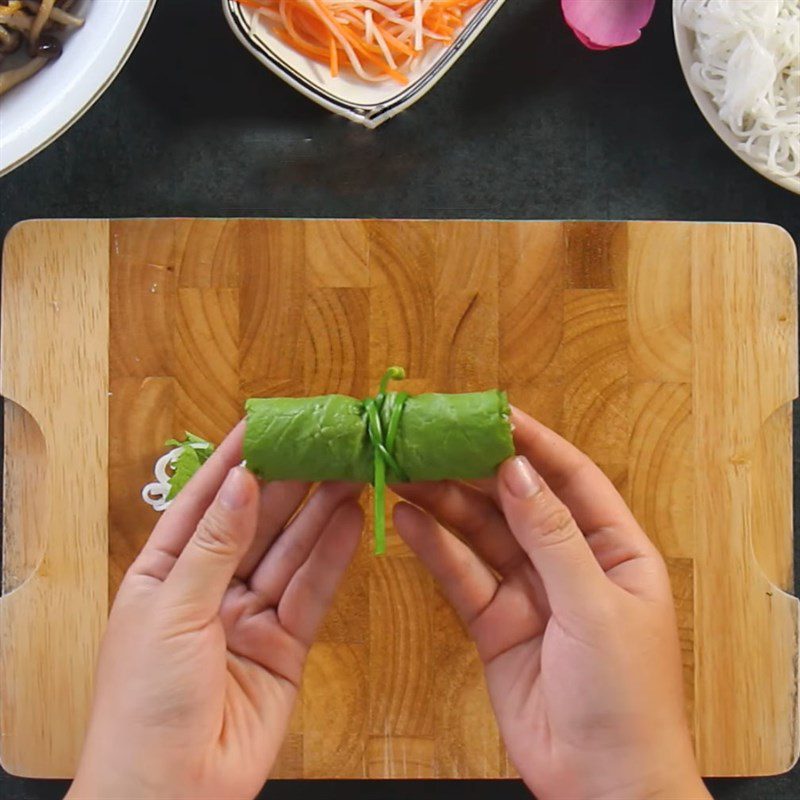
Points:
x=383, y=446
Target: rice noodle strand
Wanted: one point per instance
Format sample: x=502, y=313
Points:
x=748, y=59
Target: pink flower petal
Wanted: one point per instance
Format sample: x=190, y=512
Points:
x=588, y=42
x=601, y=24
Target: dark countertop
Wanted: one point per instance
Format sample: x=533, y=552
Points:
x=528, y=125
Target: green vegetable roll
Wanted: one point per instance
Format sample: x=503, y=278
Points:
x=308, y=439
x=459, y=436
x=389, y=438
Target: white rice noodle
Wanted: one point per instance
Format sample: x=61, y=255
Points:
x=155, y=494
x=748, y=59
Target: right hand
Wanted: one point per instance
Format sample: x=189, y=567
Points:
x=570, y=607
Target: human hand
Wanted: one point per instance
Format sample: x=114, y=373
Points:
x=206, y=642
x=570, y=607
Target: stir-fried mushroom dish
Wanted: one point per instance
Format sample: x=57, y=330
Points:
x=32, y=27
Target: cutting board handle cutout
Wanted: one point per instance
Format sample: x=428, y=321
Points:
x=770, y=464
x=25, y=476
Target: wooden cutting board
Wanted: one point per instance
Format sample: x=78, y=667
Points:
x=666, y=351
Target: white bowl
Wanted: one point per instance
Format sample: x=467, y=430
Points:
x=39, y=110
x=685, y=42
x=367, y=103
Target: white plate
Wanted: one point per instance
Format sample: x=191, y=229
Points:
x=39, y=110
x=684, y=42
x=367, y=103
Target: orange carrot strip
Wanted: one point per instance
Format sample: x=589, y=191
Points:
x=320, y=32
x=334, y=56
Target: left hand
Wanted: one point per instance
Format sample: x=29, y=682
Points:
x=209, y=633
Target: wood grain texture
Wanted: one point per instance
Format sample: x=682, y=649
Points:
x=335, y=743
x=531, y=284
x=337, y=254
x=272, y=272
x=54, y=363
x=665, y=350
x=681, y=575
x=467, y=343
x=467, y=740
x=745, y=367
x=206, y=346
x=401, y=664
x=130, y=467
x=401, y=297
x=661, y=464
x=593, y=361
x=660, y=307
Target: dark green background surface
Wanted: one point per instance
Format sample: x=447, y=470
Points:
x=528, y=125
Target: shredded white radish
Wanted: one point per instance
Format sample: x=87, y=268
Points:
x=155, y=494
x=748, y=59
x=369, y=26
x=387, y=54
x=377, y=40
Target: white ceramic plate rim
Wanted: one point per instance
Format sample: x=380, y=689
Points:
x=369, y=115
x=685, y=46
x=50, y=121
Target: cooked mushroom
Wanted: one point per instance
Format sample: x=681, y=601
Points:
x=48, y=46
x=36, y=22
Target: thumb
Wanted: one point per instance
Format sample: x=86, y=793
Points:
x=206, y=566
x=547, y=532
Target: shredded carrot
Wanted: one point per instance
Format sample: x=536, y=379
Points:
x=376, y=39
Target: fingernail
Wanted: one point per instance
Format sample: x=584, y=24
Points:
x=520, y=478
x=235, y=489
